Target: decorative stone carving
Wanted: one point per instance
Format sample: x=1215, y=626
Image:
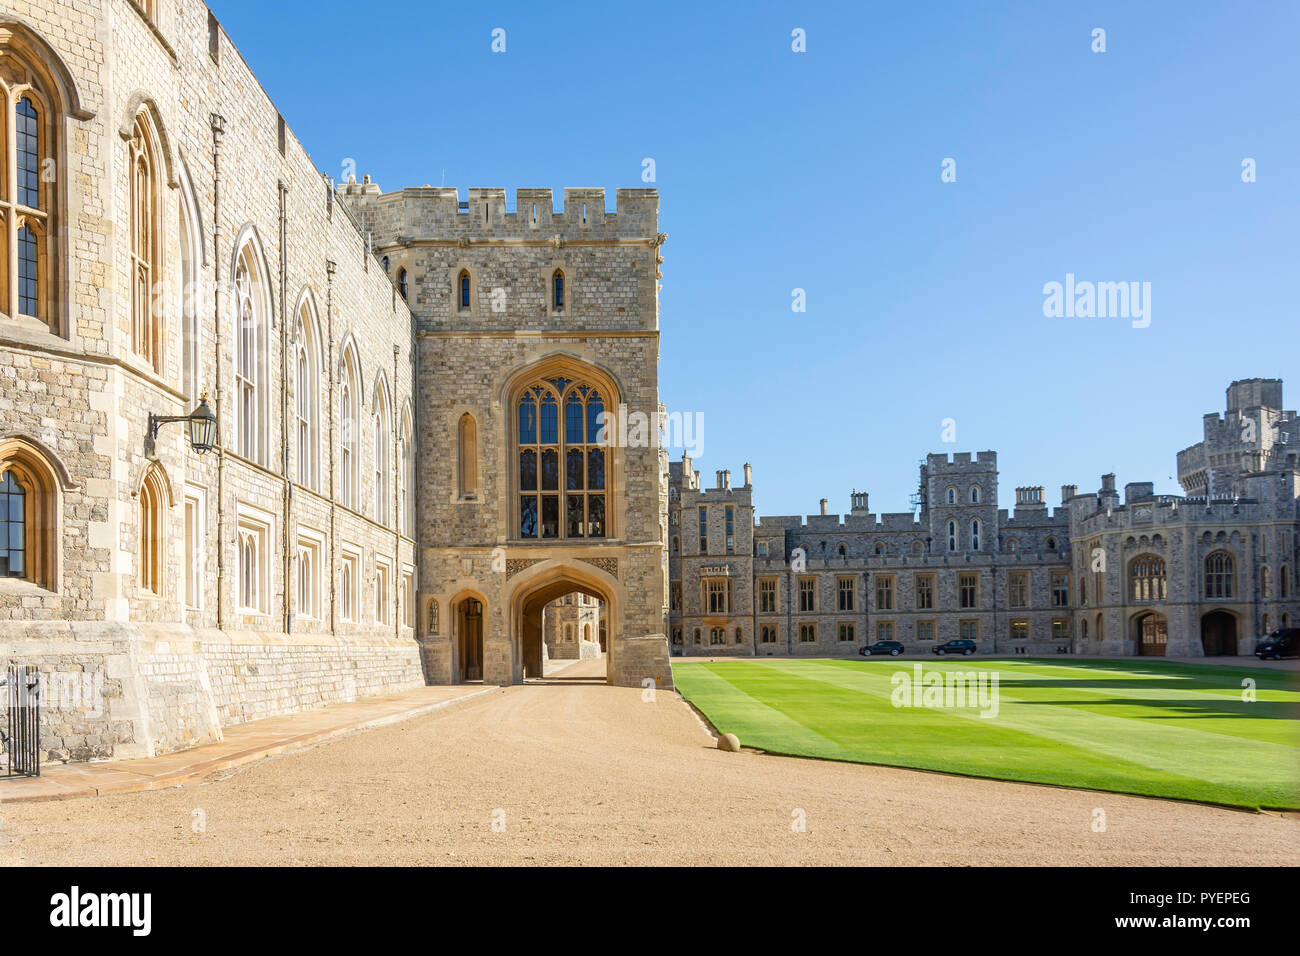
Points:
x=515, y=565
x=608, y=565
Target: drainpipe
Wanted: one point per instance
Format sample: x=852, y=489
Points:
x=218, y=126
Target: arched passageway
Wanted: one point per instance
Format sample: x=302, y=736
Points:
x=1219, y=634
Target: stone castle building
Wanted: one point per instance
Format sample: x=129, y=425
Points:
x=405, y=472
x=1202, y=573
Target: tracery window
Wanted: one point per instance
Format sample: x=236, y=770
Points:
x=146, y=324
x=1219, y=573
x=562, y=467
x=28, y=232
x=250, y=359
x=1148, y=577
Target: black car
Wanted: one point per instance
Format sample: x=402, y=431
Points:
x=955, y=647
x=1284, y=642
x=892, y=648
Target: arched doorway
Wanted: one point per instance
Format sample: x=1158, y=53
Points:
x=536, y=589
x=1219, y=634
x=1151, y=632
x=469, y=640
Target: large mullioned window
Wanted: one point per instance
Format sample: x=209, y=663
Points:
x=1219, y=574
x=28, y=179
x=562, y=467
x=1148, y=576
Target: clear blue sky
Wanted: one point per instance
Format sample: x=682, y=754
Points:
x=821, y=171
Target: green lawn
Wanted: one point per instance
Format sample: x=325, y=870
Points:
x=1161, y=729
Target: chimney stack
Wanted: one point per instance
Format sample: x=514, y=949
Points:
x=749, y=475
x=726, y=479
x=826, y=506
x=718, y=478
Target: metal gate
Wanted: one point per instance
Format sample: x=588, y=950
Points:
x=20, y=730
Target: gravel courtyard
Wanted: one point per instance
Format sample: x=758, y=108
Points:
x=570, y=771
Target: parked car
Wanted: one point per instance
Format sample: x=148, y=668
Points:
x=955, y=647
x=1284, y=642
x=892, y=648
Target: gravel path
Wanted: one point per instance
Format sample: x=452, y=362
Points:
x=575, y=772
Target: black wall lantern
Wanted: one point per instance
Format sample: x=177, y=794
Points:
x=201, y=422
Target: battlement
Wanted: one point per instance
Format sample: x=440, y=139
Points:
x=961, y=462
x=1254, y=393
x=424, y=213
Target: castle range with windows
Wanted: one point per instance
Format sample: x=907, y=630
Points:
x=1206, y=572
x=269, y=443
x=404, y=477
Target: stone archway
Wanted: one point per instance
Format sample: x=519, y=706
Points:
x=1219, y=634
x=1151, y=634
x=541, y=585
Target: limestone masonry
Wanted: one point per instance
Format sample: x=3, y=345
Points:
x=407, y=482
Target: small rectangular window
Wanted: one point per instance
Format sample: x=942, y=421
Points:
x=281, y=132
x=214, y=38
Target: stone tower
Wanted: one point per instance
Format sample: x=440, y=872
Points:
x=537, y=343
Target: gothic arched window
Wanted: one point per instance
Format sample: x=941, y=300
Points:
x=13, y=527
x=1148, y=577
x=251, y=309
x=975, y=535
x=382, y=430
x=29, y=515
x=401, y=283
x=349, y=412
x=307, y=398
x=406, y=477
x=952, y=536
x=28, y=230
x=462, y=290
x=1219, y=573
x=562, y=467
x=557, y=290
x=146, y=323
x=151, y=548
